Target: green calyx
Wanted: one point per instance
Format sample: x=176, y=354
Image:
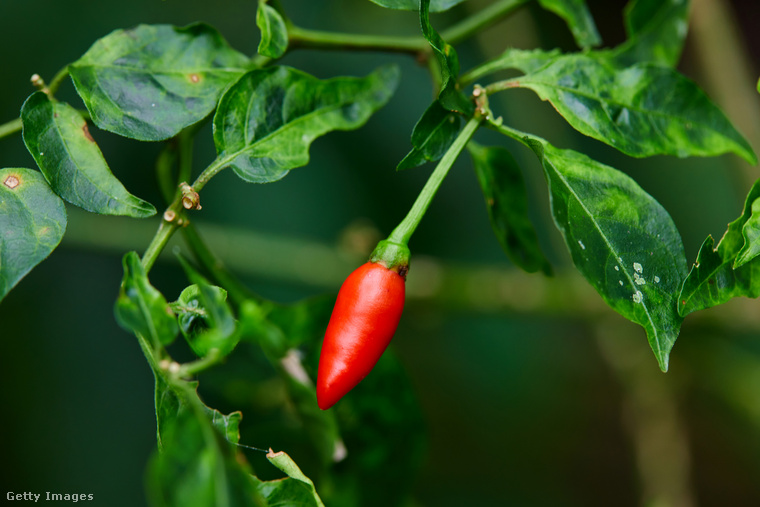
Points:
x=394, y=256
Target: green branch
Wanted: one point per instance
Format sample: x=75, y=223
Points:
x=403, y=232
x=301, y=38
x=480, y=20
x=10, y=128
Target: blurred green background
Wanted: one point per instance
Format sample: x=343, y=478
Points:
x=531, y=392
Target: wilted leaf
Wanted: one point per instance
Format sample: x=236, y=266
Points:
x=32, y=223
x=58, y=138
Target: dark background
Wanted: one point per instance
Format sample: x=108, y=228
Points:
x=522, y=405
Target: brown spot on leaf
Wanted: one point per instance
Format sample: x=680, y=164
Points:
x=12, y=181
x=194, y=78
x=87, y=133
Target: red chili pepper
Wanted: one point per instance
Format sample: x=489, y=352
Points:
x=363, y=321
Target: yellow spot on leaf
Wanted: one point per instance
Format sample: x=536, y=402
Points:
x=12, y=181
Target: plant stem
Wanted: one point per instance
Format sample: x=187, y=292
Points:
x=515, y=134
x=62, y=74
x=164, y=163
x=209, y=172
x=480, y=20
x=165, y=231
x=189, y=369
x=314, y=39
x=405, y=229
x=502, y=85
x=10, y=128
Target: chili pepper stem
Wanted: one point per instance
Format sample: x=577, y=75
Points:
x=392, y=248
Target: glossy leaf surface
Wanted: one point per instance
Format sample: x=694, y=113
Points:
x=413, y=5
x=448, y=61
x=503, y=187
x=58, y=138
x=267, y=121
x=578, y=19
x=141, y=308
x=642, y=110
x=32, y=223
x=714, y=279
x=620, y=239
x=274, y=32
x=432, y=136
x=656, y=32
x=151, y=81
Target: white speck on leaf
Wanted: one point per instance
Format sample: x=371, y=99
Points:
x=637, y=267
x=620, y=282
x=617, y=268
x=581, y=244
x=637, y=297
x=656, y=279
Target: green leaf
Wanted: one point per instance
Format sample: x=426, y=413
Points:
x=140, y=308
x=205, y=319
x=58, y=138
x=167, y=405
x=448, y=61
x=751, y=234
x=526, y=61
x=413, y=5
x=299, y=490
x=151, y=81
x=620, y=239
x=215, y=329
x=714, y=279
x=170, y=403
x=656, y=32
x=32, y=223
x=198, y=467
x=578, y=19
x=274, y=32
x=642, y=110
x=507, y=201
x=266, y=122
x=432, y=136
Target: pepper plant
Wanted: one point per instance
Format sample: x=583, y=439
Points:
x=163, y=83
